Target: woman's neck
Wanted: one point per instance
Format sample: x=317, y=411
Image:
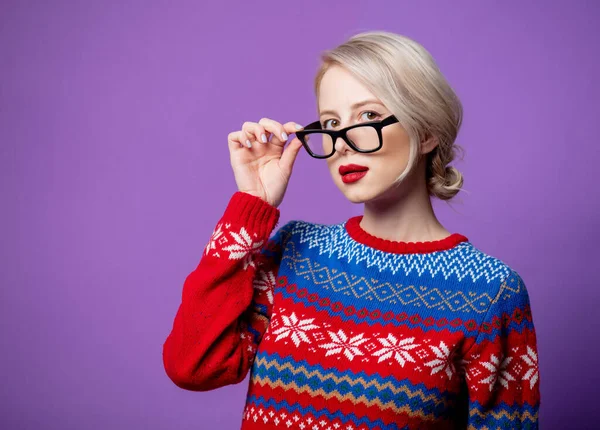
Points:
x=407, y=217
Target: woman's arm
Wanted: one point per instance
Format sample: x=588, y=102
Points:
x=227, y=300
x=501, y=367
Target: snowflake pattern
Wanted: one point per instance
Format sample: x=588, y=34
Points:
x=265, y=281
x=441, y=357
x=398, y=349
x=243, y=248
x=499, y=373
x=445, y=359
x=532, y=374
x=341, y=343
x=296, y=328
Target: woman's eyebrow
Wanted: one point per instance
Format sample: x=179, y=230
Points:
x=354, y=106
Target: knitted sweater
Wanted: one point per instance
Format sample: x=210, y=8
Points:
x=340, y=329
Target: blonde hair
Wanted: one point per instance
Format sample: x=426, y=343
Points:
x=405, y=77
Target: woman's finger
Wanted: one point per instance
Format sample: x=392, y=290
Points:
x=236, y=140
x=276, y=129
x=289, y=155
x=253, y=132
x=292, y=127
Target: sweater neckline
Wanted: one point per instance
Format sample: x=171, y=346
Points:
x=356, y=232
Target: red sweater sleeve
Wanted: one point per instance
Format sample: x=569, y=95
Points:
x=227, y=300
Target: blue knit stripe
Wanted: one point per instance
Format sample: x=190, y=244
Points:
x=464, y=262
x=463, y=301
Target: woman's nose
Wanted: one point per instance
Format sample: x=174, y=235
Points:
x=341, y=146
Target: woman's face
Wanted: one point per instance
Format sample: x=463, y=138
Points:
x=339, y=91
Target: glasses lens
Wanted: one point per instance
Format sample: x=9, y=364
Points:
x=364, y=138
x=320, y=144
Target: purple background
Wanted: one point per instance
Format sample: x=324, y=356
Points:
x=115, y=169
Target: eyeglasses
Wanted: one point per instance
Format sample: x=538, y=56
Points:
x=364, y=138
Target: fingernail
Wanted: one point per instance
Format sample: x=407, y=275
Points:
x=264, y=138
x=248, y=144
x=298, y=126
x=284, y=136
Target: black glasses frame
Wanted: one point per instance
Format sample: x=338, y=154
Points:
x=315, y=127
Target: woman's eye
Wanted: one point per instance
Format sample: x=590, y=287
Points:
x=325, y=122
x=374, y=114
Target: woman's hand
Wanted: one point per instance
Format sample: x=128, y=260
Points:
x=261, y=165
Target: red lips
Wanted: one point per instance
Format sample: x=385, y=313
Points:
x=351, y=168
x=352, y=172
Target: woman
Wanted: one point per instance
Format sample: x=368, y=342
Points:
x=385, y=321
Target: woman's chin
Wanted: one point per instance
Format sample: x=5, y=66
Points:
x=362, y=193
x=356, y=193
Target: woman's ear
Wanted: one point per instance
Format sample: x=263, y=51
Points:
x=429, y=144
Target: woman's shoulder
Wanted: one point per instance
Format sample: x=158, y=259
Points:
x=496, y=266
x=502, y=279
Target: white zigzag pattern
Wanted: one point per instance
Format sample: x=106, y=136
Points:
x=463, y=261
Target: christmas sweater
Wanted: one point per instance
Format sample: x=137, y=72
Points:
x=342, y=330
